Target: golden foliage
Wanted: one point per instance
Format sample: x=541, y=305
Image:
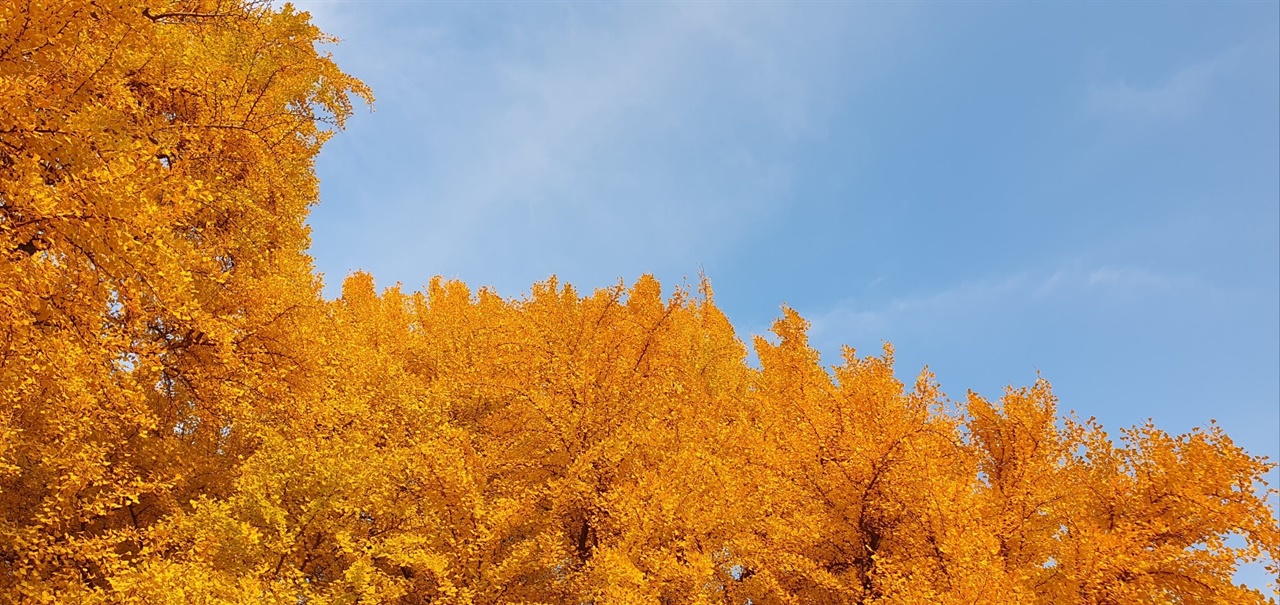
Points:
x=187, y=421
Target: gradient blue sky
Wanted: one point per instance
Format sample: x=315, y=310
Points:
x=1090, y=190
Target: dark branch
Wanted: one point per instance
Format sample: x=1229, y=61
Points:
x=146, y=12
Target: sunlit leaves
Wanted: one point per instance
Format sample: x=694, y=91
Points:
x=186, y=420
x=155, y=172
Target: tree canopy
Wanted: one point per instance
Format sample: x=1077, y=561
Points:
x=187, y=420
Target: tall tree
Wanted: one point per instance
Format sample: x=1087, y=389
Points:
x=155, y=171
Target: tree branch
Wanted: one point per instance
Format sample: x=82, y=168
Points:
x=146, y=12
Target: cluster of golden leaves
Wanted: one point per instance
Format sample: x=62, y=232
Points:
x=186, y=420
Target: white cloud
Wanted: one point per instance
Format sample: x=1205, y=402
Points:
x=627, y=136
x=965, y=301
x=1130, y=278
x=1177, y=97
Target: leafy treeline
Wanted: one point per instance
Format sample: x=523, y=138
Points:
x=186, y=420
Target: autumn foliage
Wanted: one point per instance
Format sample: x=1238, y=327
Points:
x=186, y=420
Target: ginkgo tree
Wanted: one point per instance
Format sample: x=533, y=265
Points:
x=155, y=172
x=187, y=420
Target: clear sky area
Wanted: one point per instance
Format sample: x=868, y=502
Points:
x=1086, y=190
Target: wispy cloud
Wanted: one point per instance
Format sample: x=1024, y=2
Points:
x=633, y=137
x=1177, y=97
x=1074, y=283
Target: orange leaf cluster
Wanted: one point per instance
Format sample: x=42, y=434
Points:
x=186, y=420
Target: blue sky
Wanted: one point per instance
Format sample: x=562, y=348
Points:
x=1088, y=190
